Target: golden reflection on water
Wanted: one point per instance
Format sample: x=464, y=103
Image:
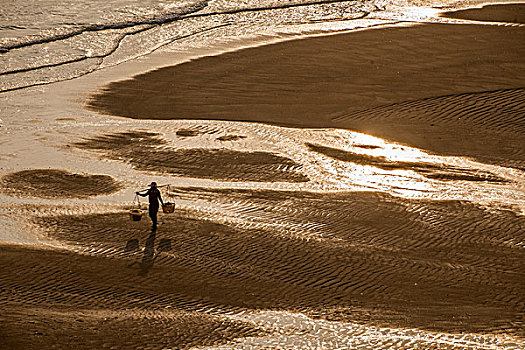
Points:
x=345, y=160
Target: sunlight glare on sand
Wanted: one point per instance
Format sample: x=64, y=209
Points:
x=390, y=167
x=298, y=331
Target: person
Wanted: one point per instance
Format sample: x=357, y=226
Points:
x=154, y=197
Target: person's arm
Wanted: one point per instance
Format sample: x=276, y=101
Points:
x=160, y=198
x=142, y=195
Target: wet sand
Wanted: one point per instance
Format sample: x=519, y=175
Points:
x=438, y=87
x=374, y=259
x=61, y=299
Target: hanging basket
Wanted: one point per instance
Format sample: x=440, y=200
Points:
x=135, y=214
x=168, y=207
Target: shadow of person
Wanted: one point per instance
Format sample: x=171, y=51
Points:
x=148, y=259
x=149, y=253
x=132, y=245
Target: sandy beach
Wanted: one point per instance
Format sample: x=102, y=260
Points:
x=355, y=183
x=397, y=90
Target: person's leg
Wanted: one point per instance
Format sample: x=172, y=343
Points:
x=153, y=210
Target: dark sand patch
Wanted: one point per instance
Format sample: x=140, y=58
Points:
x=131, y=140
x=142, y=150
x=54, y=183
x=305, y=83
x=197, y=130
x=57, y=299
x=367, y=146
x=432, y=171
x=510, y=13
x=188, y=133
x=445, y=266
x=231, y=138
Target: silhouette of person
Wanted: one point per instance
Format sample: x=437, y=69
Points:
x=154, y=197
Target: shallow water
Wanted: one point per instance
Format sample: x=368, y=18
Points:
x=47, y=41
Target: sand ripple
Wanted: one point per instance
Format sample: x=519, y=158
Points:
x=83, y=318
x=486, y=125
x=446, y=266
x=143, y=151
